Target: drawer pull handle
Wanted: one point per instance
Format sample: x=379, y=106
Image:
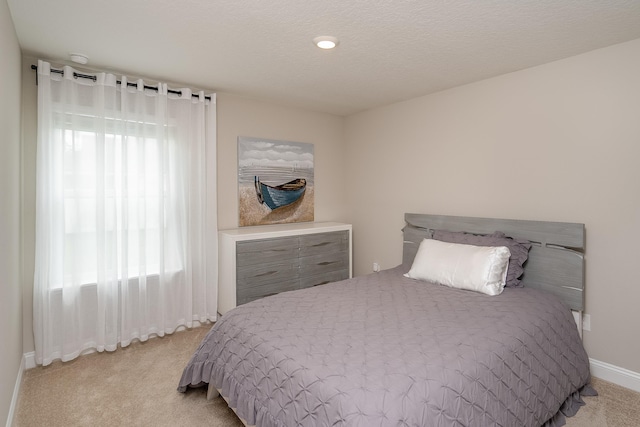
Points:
x=267, y=273
x=327, y=262
x=322, y=283
x=321, y=244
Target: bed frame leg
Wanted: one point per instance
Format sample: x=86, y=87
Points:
x=212, y=392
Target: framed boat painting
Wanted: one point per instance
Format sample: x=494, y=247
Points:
x=275, y=181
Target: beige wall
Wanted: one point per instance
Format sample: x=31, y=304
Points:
x=556, y=142
x=237, y=116
x=10, y=298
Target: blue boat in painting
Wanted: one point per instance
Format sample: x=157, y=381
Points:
x=280, y=195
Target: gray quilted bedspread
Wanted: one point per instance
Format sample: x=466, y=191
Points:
x=385, y=350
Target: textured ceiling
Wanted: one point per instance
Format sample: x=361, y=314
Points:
x=389, y=50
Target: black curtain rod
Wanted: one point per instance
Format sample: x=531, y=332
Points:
x=90, y=77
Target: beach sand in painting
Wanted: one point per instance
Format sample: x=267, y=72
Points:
x=253, y=212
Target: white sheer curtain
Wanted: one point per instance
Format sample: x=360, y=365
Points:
x=124, y=247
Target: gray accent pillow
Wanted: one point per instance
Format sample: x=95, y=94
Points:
x=519, y=249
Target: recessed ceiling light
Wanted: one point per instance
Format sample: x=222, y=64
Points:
x=79, y=58
x=326, y=42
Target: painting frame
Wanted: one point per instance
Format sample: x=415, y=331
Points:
x=275, y=181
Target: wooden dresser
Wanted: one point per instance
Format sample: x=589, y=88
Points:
x=260, y=261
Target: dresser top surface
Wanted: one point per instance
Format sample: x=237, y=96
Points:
x=277, y=230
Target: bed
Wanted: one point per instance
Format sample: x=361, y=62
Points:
x=390, y=350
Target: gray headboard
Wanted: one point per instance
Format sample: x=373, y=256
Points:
x=556, y=259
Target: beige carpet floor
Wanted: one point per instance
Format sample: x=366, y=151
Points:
x=136, y=386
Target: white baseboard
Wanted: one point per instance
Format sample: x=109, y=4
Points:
x=29, y=360
x=16, y=393
x=614, y=374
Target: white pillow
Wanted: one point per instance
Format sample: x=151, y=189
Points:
x=477, y=268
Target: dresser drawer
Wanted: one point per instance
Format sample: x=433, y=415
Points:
x=253, y=293
x=266, y=250
x=273, y=272
x=313, y=244
x=323, y=279
x=324, y=263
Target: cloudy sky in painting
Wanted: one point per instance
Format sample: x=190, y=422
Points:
x=272, y=153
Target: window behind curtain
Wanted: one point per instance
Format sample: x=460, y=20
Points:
x=138, y=203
